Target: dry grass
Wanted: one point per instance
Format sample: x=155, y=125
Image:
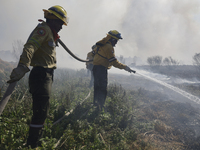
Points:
x=172, y=126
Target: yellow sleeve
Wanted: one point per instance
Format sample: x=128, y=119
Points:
x=110, y=54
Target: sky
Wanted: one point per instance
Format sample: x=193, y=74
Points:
x=148, y=27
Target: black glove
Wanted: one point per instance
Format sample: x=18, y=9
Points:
x=129, y=69
x=133, y=71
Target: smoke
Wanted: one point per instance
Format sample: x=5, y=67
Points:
x=148, y=28
x=166, y=28
x=90, y=23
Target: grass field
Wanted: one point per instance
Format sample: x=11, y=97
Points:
x=138, y=115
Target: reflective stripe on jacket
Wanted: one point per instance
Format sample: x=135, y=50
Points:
x=39, y=49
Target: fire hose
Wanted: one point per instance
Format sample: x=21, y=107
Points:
x=11, y=86
x=7, y=95
x=65, y=47
x=68, y=113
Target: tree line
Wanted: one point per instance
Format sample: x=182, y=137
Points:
x=169, y=61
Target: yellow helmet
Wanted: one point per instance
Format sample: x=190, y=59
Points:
x=58, y=11
x=115, y=34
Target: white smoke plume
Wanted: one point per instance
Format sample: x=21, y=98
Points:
x=148, y=27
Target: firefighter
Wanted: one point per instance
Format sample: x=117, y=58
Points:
x=40, y=53
x=104, y=59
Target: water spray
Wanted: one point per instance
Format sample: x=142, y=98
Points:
x=175, y=89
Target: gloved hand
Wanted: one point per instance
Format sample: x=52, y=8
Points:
x=129, y=69
x=18, y=73
x=133, y=71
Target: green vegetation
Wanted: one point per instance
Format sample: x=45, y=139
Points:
x=133, y=118
x=5, y=69
x=84, y=128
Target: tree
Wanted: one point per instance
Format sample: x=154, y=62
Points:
x=154, y=60
x=196, y=60
x=169, y=61
x=122, y=59
x=17, y=49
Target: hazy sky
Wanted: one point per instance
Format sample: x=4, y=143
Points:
x=148, y=27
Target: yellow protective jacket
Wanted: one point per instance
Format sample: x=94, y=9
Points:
x=105, y=56
x=40, y=48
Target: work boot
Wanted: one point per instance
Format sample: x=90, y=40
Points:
x=34, y=137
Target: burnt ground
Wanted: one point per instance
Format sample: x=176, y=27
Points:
x=176, y=118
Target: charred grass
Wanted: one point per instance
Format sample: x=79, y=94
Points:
x=135, y=117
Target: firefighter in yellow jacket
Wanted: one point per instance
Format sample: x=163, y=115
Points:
x=40, y=53
x=89, y=65
x=104, y=58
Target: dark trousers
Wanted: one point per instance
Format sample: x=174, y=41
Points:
x=100, y=84
x=40, y=83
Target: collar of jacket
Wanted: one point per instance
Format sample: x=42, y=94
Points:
x=55, y=34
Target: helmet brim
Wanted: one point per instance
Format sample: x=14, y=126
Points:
x=57, y=17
